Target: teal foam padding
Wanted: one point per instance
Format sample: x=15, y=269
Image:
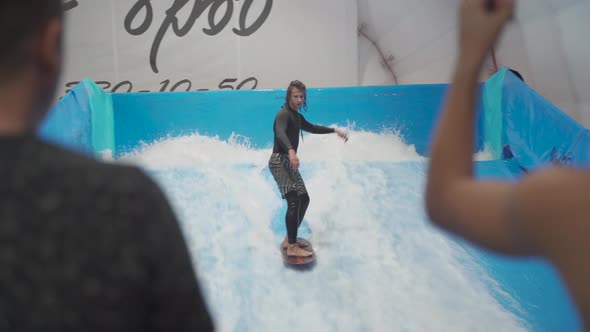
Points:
x=492, y=115
x=81, y=121
x=101, y=110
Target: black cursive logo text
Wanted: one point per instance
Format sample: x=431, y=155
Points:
x=171, y=21
x=70, y=4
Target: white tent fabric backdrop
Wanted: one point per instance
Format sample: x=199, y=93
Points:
x=546, y=43
x=179, y=45
x=164, y=45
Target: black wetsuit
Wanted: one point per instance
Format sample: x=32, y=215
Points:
x=89, y=246
x=287, y=126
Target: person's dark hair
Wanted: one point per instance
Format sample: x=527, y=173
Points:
x=20, y=20
x=517, y=74
x=299, y=85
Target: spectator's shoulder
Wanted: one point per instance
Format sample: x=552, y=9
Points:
x=114, y=176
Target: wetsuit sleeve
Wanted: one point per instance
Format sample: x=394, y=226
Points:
x=315, y=129
x=281, y=130
x=176, y=302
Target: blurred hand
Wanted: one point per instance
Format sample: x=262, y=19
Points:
x=341, y=134
x=294, y=159
x=480, y=28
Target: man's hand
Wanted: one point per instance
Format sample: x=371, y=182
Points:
x=294, y=159
x=341, y=134
x=480, y=28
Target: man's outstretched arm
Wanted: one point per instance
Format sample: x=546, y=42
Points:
x=317, y=129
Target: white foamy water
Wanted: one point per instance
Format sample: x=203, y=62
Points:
x=381, y=266
x=484, y=154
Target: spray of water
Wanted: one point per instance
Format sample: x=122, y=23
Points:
x=381, y=266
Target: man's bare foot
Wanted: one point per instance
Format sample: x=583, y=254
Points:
x=300, y=242
x=294, y=250
x=303, y=243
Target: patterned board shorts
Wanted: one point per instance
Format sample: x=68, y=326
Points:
x=286, y=178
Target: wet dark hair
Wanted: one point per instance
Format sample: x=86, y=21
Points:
x=517, y=74
x=20, y=20
x=299, y=85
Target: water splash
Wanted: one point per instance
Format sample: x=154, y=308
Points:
x=381, y=265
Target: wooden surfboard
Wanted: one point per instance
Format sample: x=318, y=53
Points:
x=298, y=261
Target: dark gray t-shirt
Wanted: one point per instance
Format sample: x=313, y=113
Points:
x=89, y=246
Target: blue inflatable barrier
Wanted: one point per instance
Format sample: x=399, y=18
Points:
x=521, y=129
x=82, y=120
x=409, y=110
x=521, y=123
